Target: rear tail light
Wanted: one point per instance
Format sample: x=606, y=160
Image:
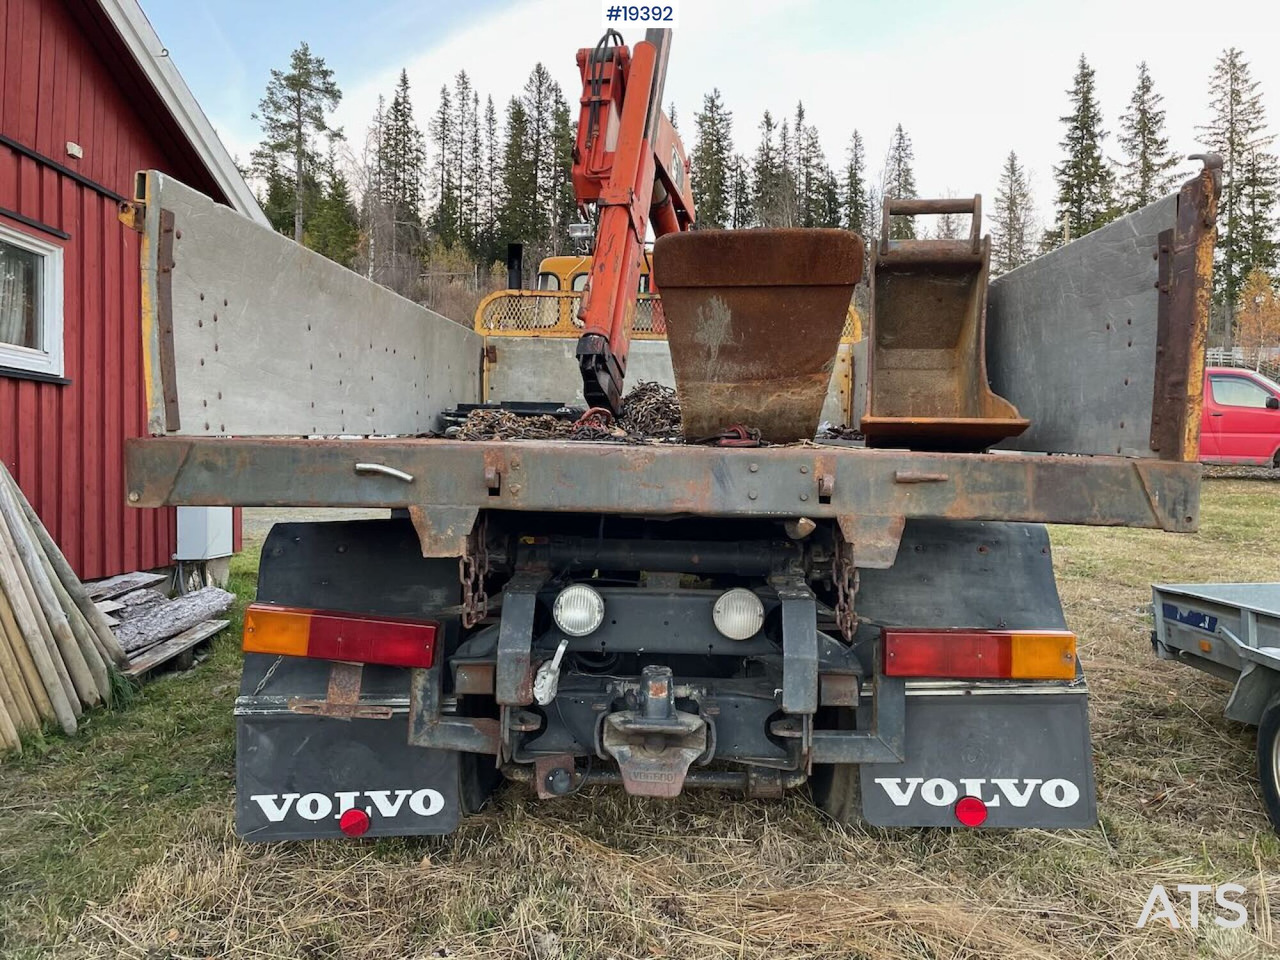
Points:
x=980, y=654
x=325, y=635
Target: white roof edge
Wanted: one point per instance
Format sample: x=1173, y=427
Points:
x=141, y=39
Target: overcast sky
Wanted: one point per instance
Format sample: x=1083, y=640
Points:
x=969, y=82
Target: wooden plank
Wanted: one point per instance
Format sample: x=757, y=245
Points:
x=109, y=606
x=124, y=583
x=153, y=656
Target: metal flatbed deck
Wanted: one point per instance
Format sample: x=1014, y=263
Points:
x=870, y=492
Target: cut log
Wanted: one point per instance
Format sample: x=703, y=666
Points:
x=153, y=656
x=34, y=629
x=70, y=582
x=22, y=655
x=115, y=586
x=172, y=618
x=30, y=634
x=137, y=602
x=24, y=712
x=87, y=670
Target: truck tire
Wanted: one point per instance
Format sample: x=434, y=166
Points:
x=1269, y=760
x=835, y=787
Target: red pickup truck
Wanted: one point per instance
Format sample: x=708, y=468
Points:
x=1241, y=420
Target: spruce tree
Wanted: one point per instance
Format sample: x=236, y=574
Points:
x=293, y=113
x=333, y=228
x=740, y=194
x=712, y=163
x=767, y=181
x=1086, y=185
x=516, y=215
x=1147, y=174
x=857, y=216
x=900, y=181
x=1012, y=244
x=1237, y=132
x=400, y=157
x=444, y=219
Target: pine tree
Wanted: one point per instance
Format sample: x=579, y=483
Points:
x=1246, y=208
x=767, y=176
x=334, y=227
x=517, y=222
x=1012, y=244
x=293, y=113
x=900, y=181
x=401, y=155
x=740, y=194
x=712, y=162
x=444, y=218
x=1148, y=172
x=1086, y=184
x=857, y=216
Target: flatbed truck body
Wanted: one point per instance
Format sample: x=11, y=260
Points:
x=881, y=624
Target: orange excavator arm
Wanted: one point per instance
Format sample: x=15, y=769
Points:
x=629, y=172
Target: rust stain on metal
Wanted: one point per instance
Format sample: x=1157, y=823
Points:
x=918, y=476
x=443, y=531
x=342, y=698
x=164, y=321
x=754, y=320
x=1185, y=282
x=474, y=678
x=837, y=690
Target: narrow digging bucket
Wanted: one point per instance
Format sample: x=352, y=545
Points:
x=927, y=367
x=753, y=321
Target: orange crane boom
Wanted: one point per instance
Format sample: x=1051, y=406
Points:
x=630, y=171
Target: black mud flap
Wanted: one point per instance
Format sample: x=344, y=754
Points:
x=296, y=775
x=1026, y=756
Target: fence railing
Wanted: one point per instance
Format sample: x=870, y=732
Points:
x=1265, y=362
x=550, y=313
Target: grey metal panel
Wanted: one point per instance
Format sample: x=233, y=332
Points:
x=272, y=338
x=545, y=369
x=1262, y=597
x=1071, y=339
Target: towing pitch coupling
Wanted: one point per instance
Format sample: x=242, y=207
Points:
x=654, y=744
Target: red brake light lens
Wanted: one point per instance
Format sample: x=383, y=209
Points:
x=327, y=635
x=980, y=654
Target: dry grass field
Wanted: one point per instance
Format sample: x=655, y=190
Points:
x=119, y=843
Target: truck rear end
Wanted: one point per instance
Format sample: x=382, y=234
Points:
x=874, y=620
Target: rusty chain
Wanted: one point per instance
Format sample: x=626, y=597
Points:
x=473, y=569
x=845, y=577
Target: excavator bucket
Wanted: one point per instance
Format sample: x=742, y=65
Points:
x=753, y=321
x=927, y=366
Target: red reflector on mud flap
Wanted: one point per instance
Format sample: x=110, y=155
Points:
x=354, y=822
x=971, y=812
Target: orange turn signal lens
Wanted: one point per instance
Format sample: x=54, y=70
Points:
x=277, y=630
x=980, y=654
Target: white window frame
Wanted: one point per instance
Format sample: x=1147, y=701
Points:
x=48, y=361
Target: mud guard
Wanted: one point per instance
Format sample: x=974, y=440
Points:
x=297, y=774
x=1022, y=748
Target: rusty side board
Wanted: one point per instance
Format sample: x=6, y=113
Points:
x=812, y=480
x=1185, y=285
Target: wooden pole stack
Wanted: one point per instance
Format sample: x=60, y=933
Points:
x=57, y=652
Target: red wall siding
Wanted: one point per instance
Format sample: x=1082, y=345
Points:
x=63, y=80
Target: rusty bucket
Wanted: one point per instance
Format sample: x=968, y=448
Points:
x=753, y=321
x=927, y=366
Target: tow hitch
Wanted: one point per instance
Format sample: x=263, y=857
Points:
x=654, y=744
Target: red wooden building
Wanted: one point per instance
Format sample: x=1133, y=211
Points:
x=89, y=97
